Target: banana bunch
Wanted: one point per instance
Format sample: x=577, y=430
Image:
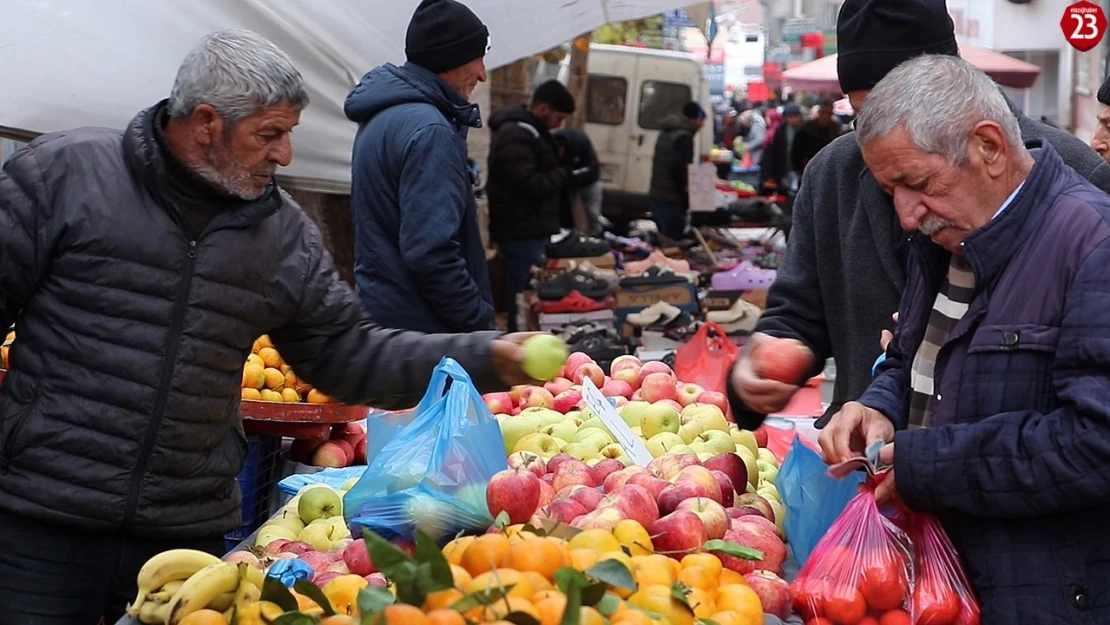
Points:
x=177, y=583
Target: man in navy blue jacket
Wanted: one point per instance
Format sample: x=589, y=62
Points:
x=419, y=259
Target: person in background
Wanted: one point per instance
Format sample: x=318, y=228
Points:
x=1100, y=142
x=774, y=117
x=578, y=155
x=776, y=171
x=139, y=266
x=994, y=400
x=674, y=152
x=419, y=259
x=844, y=271
x=755, y=136
x=527, y=183
x=814, y=135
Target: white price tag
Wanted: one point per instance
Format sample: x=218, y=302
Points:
x=600, y=406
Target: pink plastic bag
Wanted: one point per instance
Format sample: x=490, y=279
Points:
x=862, y=567
x=942, y=594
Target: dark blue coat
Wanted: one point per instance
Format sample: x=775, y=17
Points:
x=419, y=259
x=1017, y=465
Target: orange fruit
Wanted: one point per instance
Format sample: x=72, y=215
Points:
x=590, y=616
x=460, y=576
x=551, y=609
x=728, y=617
x=270, y=358
x=702, y=602
x=204, y=617
x=728, y=576
x=538, y=582
x=895, y=617
x=251, y=393
x=884, y=585
x=537, y=555
x=502, y=608
x=596, y=539
x=501, y=578
x=633, y=537
x=847, y=605
x=933, y=601
x=698, y=577
x=453, y=550
x=546, y=594
x=630, y=617
x=339, y=619
x=583, y=559
x=445, y=617
x=400, y=614
x=441, y=599
x=742, y=600
x=263, y=341
x=658, y=599
x=647, y=572
x=488, y=551
x=706, y=561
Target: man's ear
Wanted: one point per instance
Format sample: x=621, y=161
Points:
x=989, y=141
x=208, y=125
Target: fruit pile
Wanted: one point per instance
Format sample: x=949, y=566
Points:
x=266, y=377
x=187, y=587
x=344, y=447
x=313, y=519
x=8, y=340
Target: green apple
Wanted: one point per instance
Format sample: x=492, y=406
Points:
x=543, y=445
x=711, y=418
x=564, y=429
x=544, y=356
x=515, y=428
x=562, y=443
x=766, y=455
x=594, y=423
x=768, y=490
x=638, y=431
x=750, y=464
x=633, y=412
x=662, y=442
x=745, y=438
x=699, y=446
x=681, y=450
x=780, y=514
x=270, y=532
x=614, y=450
x=340, y=528
x=705, y=455
x=767, y=473
x=319, y=503
x=542, y=416
x=599, y=436
x=288, y=518
x=689, y=431
x=657, y=419
x=582, y=450
x=574, y=414
x=318, y=536
x=718, y=441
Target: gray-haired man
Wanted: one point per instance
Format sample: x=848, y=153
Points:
x=138, y=268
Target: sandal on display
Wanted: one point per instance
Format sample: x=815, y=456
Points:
x=741, y=317
x=656, y=274
x=657, y=312
x=573, y=303
x=745, y=277
x=574, y=245
x=560, y=286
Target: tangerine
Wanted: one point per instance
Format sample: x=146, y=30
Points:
x=884, y=585
x=698, y=577
x=846, y=605
x=453, y=550
x=742, y=600
x=645, y=572
x=538, y=582
x=538, y=555
x=441, y=599
x=504, y=607
x=502, y=578
x=706, y=561
x=551, y=608
x=204, y=617
x=445, y=616
x=728, y=617
x=701, y=602
x=596, y=539
x=728, y=576
x=582, y=559
x=632, y=617
x=590, y=616
x=658, y=599
x=895, y=617
x=460, y=576
x=400, y=614
x=488, y=551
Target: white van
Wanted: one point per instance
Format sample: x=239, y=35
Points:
x=630, y=92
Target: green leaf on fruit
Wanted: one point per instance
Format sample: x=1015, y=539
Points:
x=565, y=575
x=312, y=591
x=481, y=598
x=609, y=604
x=614, y=573
x=734, y=550
x=386, y=557
x=502, y=520
x=592, y=594
x=373, y=599
x=521, y=618
x=572, y=613
x=275, y=592
x=440, y=576
x=294, y=618
x=679, y=592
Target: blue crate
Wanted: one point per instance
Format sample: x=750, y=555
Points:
x=258, y=478
x=236, y=536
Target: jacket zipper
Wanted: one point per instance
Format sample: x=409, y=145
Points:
x=172, y=343
x=9, y=444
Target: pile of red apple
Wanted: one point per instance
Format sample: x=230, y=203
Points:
x=345, y=446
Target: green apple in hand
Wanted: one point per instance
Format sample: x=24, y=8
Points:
x=544, y=356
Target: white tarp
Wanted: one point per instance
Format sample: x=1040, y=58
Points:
x=67, y=63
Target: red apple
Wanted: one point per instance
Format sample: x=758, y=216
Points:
x=322, y=579
x=547, y=494
x=618, y=478
x=329, y=454
x=715, y=398
x=773, y=593
x=570, y=473
x=514, y=492
x=655, y=366
x=620, y=363
x=755, y=504
x=783, y=360
x=654, y=485
x=575, y=360
x=499, y=403
x=376, y=580
x=757, y=536
x=516, y=391
x=618, y=401
x=630, y=375
x=733, y=563
x=673, y=495
x=529, y=461
x=589, y=370
x=588, y=496
x=711, y=513
x=760, y=435
x=728, y=491
x=549, y=478
x=606, y=519
x=563, y=510
x=677, y=533
x=751, y=518
x=360, y=451
x=688, y=393
x=658, y=387
x=731, y=465
x=634, y=502
x=347, y=448
x=702, y=476
x=321, y=560
x=637, y=395
x=566, y=401
x=554, y=461
x=616, y=388
x=669, y=465
x=558, y=385
x=672, y=403
x=536, y=397
x=603, y=469
x=302, y=449
x=357, y=558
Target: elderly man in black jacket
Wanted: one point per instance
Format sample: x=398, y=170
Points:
x=845, y=269
x=139, y=267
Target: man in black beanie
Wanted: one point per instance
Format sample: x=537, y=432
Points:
x=1101, y=141
x=674, y=152
x=844, y=271
x=419, y=259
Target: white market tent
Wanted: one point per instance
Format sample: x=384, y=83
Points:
x=68, y=63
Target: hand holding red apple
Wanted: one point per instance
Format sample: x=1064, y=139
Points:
x=760, y=394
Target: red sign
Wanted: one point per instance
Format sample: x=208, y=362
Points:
x=1084, y=25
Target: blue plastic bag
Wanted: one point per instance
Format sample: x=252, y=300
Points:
x=812, y=498
x=336, y=478
x=431, y=472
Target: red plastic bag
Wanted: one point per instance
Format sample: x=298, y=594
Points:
x=705, y=360
x=861, y=571
x=942, y=594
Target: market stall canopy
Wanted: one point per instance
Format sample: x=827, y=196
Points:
x=820, y=75
x=70, y=63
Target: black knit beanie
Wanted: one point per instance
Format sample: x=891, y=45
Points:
x=443, y=35
x=875, y=36
x=1104, y=92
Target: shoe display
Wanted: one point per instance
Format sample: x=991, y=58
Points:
x=575, y=245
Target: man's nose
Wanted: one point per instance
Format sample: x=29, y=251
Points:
x=909, y=208
x=282, y=151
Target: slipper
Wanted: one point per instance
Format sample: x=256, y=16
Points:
x=659, y=311
x=740, y=317
x=574, y=245
x=745, y=277
x=560, y=286
x=573, y=303
x=657, y=274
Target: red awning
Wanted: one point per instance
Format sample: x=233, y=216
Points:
x=820, y=75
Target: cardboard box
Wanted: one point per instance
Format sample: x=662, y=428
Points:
x=632, y=299
x=723, y=300
x=549, y=322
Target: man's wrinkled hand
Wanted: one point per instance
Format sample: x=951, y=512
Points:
x=508, y=356
x=887, y=336
x=887, y=490
x=759, y=394
x=851, y=431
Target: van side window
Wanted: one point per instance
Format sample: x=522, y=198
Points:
x=606, y=97
x=658, y=100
